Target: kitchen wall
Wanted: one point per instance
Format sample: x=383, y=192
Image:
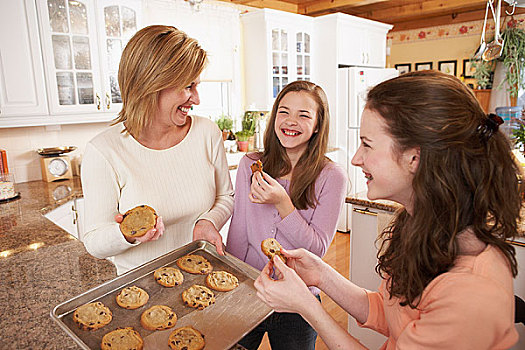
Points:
x=217, y=27
x=440, y=43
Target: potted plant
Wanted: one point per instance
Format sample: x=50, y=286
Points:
x=513, y=58
x=483, y=73
x=225, y=123
x=242, y=140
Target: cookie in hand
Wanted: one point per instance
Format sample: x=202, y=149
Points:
x=137, y=221
x=271, y=247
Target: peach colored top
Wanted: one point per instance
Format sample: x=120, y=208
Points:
x=469, y=307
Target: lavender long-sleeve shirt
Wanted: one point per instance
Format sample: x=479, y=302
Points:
x=312, y=229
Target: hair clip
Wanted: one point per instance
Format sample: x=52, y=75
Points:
x=489, y=126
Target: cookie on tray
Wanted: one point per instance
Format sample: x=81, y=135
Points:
x=256, y=166
x=122, y=339
x=195, y=264
x=92, y=316
x=222, y=281
x=187, y=338
x=271, y=247
x=158, y=317
x=198, y=297
x=132, y=297
x=137, y=221
x=168, y=276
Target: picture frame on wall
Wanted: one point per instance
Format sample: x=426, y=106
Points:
x=468, y=69
x=448, y=67
x=403, y=68
x=423, y=66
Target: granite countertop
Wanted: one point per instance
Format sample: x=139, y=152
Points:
x=41, y=266
x=361, y=199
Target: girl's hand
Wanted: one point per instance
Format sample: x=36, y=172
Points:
x=307, y=265
x=287, y=294
x=205, y=230
x=152, y=235
x=266, y=190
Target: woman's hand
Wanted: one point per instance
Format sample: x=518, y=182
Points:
x=266, y=190
x=306, y=264
x=205, y=230
x=287, y=294
x=152, y=235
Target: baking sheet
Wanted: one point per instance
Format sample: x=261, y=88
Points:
x=223, y=324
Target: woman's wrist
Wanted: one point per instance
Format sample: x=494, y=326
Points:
x=285, y=207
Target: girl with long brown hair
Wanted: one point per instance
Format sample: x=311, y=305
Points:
x=296, y=199
x=446, y=265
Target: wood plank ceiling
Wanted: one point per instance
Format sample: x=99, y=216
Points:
x=403, y=14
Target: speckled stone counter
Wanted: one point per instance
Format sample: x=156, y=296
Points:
x=41, y=266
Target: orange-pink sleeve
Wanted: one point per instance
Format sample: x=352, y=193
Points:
x=462, y=311
x=376, y=313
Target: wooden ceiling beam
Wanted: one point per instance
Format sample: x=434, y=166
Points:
x=319, y=7
x=424, y=9
x=272, y=4
x=446, y=20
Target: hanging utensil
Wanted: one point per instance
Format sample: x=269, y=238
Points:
x=495, y=48
x=483, y=45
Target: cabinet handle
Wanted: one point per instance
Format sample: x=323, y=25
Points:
x=75, y=215
x=98, y=101
x=108, y=101
x=367, y=58
x=364, y=211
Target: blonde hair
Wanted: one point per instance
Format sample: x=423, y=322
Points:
x=156, y=58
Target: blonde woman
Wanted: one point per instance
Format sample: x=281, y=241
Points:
x=156, y=154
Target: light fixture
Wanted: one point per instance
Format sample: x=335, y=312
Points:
x=195, y=4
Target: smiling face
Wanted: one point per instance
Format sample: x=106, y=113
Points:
x=389, y=174
x=296, y=121
x=173, y=105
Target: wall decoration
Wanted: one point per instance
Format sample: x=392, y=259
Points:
x=448, y=67
x=403, y=68
x=423, y=66
x=468, y=69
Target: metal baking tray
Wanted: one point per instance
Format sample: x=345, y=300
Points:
x=223, y=324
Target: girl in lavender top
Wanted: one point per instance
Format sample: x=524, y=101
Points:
x=296, y=199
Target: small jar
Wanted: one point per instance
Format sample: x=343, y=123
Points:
x=7, y=186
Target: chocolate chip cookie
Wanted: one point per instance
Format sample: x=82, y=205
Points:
x=137, y=221
x=198, y=297
x=92, y=316
x=195, y=264
x=256, y=166
x=271, y=247
x=122, y=339
x=168, y=276
x=222, y=281
x=158, y=317
x=186, y=338
x=132, y=297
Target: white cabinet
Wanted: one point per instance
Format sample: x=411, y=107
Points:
x=82, y=41
x=277, y=51
x=22, y=87
x=69, y=217
x=359, y=42
x=366, y=223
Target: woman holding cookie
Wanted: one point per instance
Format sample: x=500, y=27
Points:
x=156, y=154
x=296, y=199
x=447, y=268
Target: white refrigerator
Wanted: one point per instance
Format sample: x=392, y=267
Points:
x=353, y=86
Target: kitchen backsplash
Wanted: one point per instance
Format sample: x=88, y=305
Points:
x=21, y=145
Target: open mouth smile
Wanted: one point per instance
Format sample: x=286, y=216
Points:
x=290, y=132
x=184, y=109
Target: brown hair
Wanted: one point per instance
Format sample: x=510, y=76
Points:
x=463, y=181
x=275, y=159
x=156, y=58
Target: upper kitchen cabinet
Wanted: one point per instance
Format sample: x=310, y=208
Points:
x=277, y=50
x=82, y=41
x=22, y=86
x=352, y=41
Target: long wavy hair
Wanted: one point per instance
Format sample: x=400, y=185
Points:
x=157, y=57
x=463, y=180
x=275, y=159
